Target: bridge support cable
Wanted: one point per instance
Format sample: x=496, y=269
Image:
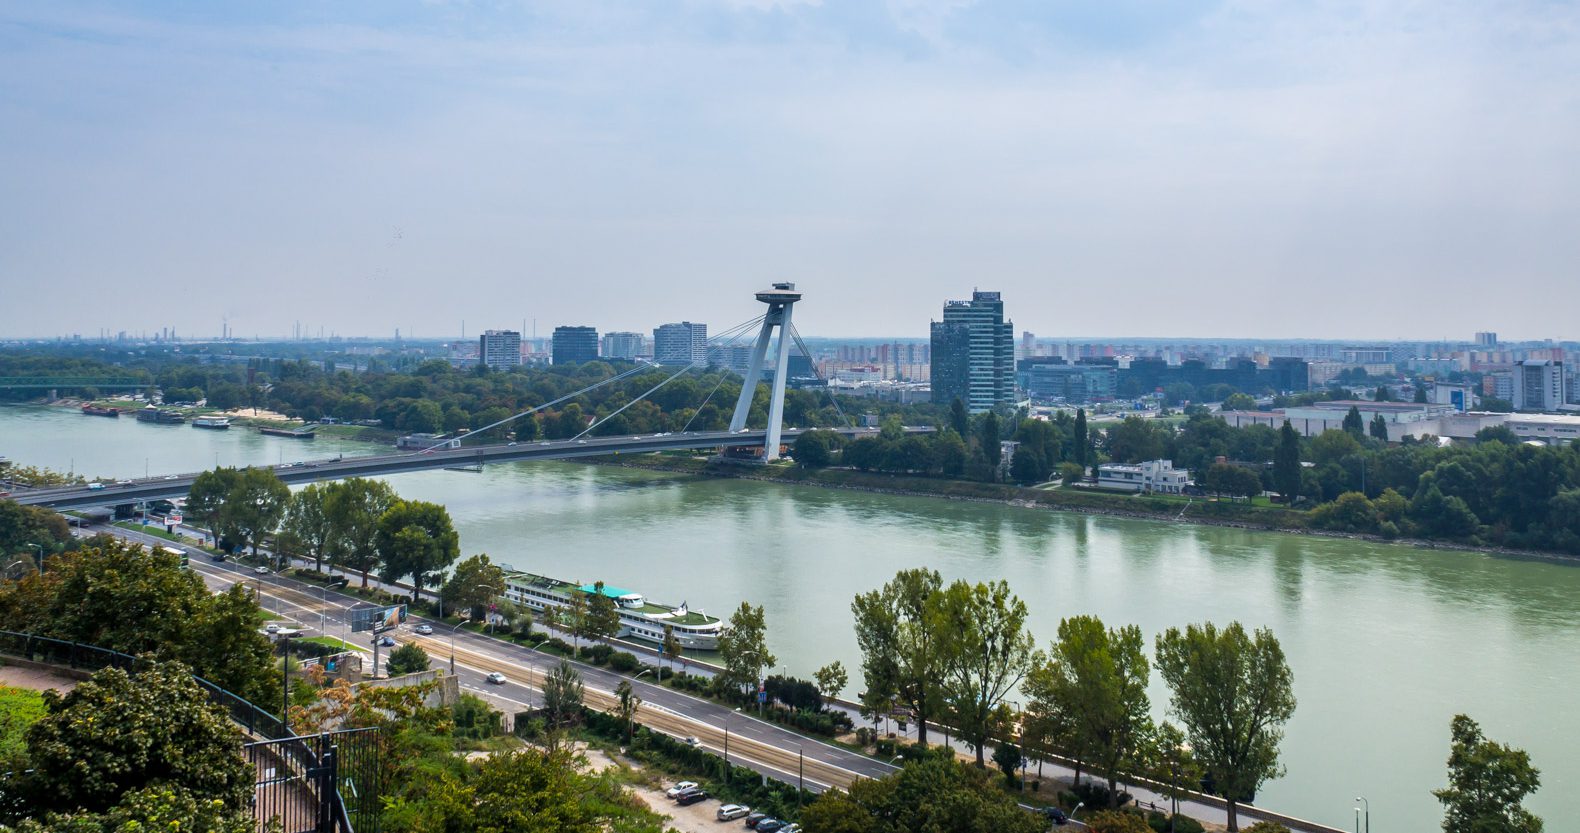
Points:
x=725, y=372
x=796, y=334
x=736, y=331
x=530, y=411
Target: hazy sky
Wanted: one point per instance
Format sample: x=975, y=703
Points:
x=1364, y=169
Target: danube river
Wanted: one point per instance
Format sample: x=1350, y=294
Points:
x=1387, y=643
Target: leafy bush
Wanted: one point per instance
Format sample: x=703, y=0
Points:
x=596, y=654
x=1117, y=821
x=1095, y=794
x=624, y=661
x=473, y=718
x=409, y=658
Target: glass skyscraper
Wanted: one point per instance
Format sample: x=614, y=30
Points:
x=973, y=351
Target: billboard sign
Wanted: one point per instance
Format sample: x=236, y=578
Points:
x=377, y=619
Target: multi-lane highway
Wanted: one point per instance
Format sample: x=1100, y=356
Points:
x=309, y=470
x=760, y=745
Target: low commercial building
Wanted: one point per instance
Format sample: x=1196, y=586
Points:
x=1403, y=418
x=1151, y=477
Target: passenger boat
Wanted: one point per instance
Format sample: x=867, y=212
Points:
x=639, y=617
x=91, y=410
x=215, y=423
x=166, y=416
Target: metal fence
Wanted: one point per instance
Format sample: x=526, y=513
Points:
x=301, y=780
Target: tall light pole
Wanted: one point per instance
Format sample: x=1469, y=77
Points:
x=1362, y=799
x=40, y=548
x=452, y=645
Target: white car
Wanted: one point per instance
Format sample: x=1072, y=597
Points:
x=271, y=628
x=496, y=678
x=424, y=629
x=680, y=788
x=261, y=570
x=731, y=812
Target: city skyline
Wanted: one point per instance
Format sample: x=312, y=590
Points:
x=1383, y=172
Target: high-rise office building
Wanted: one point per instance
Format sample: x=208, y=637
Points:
x=1486, y=341
x=499, y=348
x=575, y=345
x=623, y=345
x=681, y=344
x=973, y=351
x=1538, y=385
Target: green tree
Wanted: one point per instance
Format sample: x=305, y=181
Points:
x=1082, y=442
x=527, y=791
x=1025, y=468
x=409, y=658
x=1379, y=427
x=354, y=508
x=603, y=615
x=562, y=694
x=900, y=649
x=1117, y=821
x=1096, y=679
x=933, y=794
x=1007, y=757
x=1239, y=402
x=1350, y=512
x=1487, y=784
x=415, y=538
x=155, y=807
x=573, y=616
x=988, y=434
x=670, y=647
x=1135, y=440
x=1233, y=693
x=307, y=523
x=626, y=704
x=959, y=419
x=743, y=646
x=985, y=652
x=1229, y=479
x=255, y=505
x=1353, y=424
x=831, y=679
x=814, y=449
x=206, y=500
x=117, y=733
x=475, y=582
x=1286, y=463
x=21, y=527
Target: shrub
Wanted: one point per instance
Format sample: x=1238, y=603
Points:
x=596, y=654
x=1117, y=821
x=624, y=661
x=1095, y=794
x=407, y=659
x=1267, y=827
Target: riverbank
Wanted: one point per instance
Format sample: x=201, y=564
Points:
x=1200, y=511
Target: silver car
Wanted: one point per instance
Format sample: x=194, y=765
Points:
x=731, y=812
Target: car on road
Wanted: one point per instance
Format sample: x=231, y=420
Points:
x=581, y=442
x=95, y=486
x=172, y=477
x=510, y=443
x=752, y=819
x=386, y=642
x=1055, y=815
x=424, y=629
x=692, y=742
x=731, y=812
x=680, y=788
x=123, y=483
x=271, y=628
x=771, y=825
x=545, y=443
x=691, y=797
x=496, y=678
x=261, y=570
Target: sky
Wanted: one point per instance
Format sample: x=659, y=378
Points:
x=1365, y=169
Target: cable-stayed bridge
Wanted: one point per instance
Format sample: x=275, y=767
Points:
x=454, y=452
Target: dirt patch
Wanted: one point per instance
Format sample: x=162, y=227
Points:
x=698, y=818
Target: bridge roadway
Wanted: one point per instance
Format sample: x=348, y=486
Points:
x=178, y=485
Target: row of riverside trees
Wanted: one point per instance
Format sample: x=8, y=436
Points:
x=357, y=525
x=957, y=653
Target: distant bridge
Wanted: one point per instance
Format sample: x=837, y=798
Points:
x=178, y=485
x=54, y=382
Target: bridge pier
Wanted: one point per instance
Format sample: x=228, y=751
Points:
x=780, y=300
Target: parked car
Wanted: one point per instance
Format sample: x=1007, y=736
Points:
x=271, y=628
x=687, y=799
x=771, y=825
x=792, y=827
x=752, y=819
x=680, y=788
x=496, y=678
x=424, y=629
x=731, y=812
x=1055, y=815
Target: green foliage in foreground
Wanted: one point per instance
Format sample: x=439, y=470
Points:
x=934, y=794
x=1487, y=784
x=19, y=709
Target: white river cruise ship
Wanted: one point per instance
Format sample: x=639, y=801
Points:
x=639, y=617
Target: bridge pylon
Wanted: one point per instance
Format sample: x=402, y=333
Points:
x=780, y=299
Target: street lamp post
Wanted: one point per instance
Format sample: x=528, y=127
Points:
x=40, y=548
x=800, y=775
x=1362, y=799
x=452, y=645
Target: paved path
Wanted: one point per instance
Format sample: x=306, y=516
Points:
x=36, y=679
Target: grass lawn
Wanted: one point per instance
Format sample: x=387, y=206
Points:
x=19, y=709
x=332, y=642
